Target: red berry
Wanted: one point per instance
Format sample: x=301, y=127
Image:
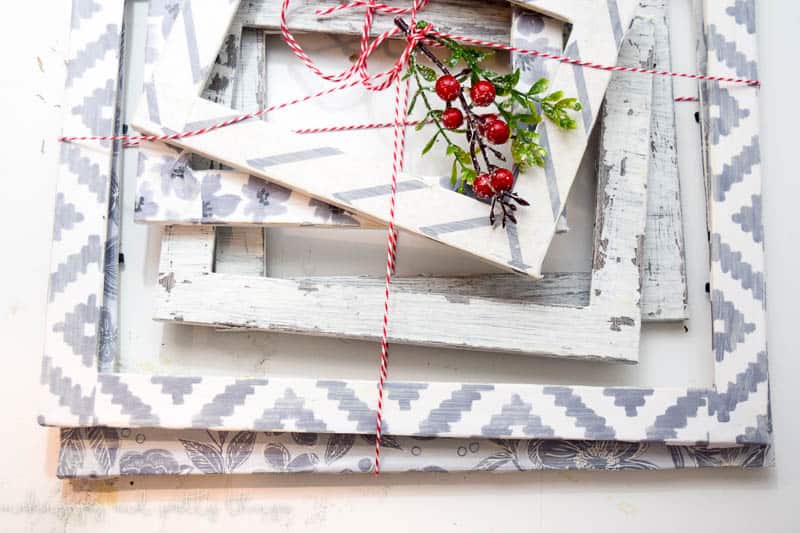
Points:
x=448, y=88
x=502, y=179
x=486, y=119
x=497, y=132
x=452, y=118
x=482, y=93
x=483, y=186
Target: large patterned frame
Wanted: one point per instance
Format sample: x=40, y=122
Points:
x=733, y=412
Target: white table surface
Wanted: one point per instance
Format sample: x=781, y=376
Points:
x=33, y=35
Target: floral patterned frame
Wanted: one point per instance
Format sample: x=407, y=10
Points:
x=734, y=413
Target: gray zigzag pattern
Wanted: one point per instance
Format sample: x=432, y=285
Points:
x=74, y=327
x=83, y=9
x=516, y=413
x=744, y=12
x=176, y=386
x=750, y=218
x=65, y=216
x=69, y=395
x=223, y=404
x=356, y=409
x=735, y=171
x=630, y=399
x=722, y=404
x=731, y=263
x=677, y=416
x=88, y=173
x=761, y=434
x=67, y=272
x=120, y=394
x=585, y=417
x=91, y=109
x=404, y=393
x=735, y=329
x=450, y=410
x=727, y=53
x=730, y=114
x=92, y=53
x=289, y=407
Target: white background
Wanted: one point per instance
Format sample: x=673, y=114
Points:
x=33, y=35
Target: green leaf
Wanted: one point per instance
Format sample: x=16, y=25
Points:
x=554, y=97
x=454, y=173
x=454, y=59
x=428, y=74
x=468, y=175
x=413, y=101
x=539, y=87
x=430, y=144
x=529, y=118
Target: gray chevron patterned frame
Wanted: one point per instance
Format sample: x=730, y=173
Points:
x=735, y=412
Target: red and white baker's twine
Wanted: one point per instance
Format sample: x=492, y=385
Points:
x=357, y=74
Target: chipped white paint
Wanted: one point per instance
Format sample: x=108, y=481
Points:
x=427, y=209
x=609, y=325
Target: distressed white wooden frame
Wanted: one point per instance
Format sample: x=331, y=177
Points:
x=424, y=208
x=734, y=412
x=610, y=323
x=229, y=197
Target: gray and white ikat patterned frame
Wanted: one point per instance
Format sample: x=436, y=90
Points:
x=424, y=208
x=610, y=323
x=735, y=412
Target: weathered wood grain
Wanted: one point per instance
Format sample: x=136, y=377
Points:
x=664, y=292
x=487, y=19
x=239, y=251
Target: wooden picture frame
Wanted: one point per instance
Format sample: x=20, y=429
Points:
x=735, y=412
x=424, y=309
x=663, y=278
x=611, y=330
x=457, y=221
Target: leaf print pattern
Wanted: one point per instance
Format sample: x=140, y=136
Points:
x=588, y=455
x=204, y=457
x=387, y=441
x=305, y=439
x=240, y=448
x=213, y=457
x=506, y=456
x=338, y=446
x=104, y=443
x=102, y=452
x=71, y=454
x=279, y=458
x=742, y=457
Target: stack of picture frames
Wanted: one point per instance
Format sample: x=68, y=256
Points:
x=214, y=194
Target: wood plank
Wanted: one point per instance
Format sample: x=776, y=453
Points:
x=344, y=311
x=488, y=19
x=664, y=291
x=239, y=251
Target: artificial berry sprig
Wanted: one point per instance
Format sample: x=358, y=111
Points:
x=517, y=114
